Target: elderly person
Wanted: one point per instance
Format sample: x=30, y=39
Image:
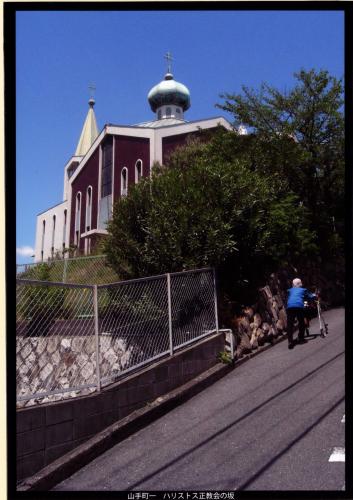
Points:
x=295, y=309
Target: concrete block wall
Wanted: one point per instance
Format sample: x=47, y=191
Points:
x=46, y=432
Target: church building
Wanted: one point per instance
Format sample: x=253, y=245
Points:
x=105, y=164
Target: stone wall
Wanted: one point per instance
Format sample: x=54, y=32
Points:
x=259, y=323
x=57, y=363
x=46, y=432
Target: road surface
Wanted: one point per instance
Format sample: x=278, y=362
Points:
x=274, y=423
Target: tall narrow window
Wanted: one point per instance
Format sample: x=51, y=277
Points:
x=124, y=181
x=106, y=183
x=88, y=208
x=168, y=112
x=43, y=236
x=77, y=218
x=138, y=171
x=159, y=114
x=107, y=162
x=53, y=236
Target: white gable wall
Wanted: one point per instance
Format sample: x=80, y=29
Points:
x=46, y=245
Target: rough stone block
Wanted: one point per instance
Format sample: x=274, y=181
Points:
x=85, y=427
x=161, y=373
x=106, y=401
x=86, y=406
x=147, y=377
x=59, y=450
x=58, y=433
x=31, y=418
x=30, y=441
x=119, y=397
x=190, y=355
x=174, y=370
x=161, y=388
x=191, y=367
x=54, y=452
x=140, y=394
x=126, y=410
x=29, y=465
x=59, y=412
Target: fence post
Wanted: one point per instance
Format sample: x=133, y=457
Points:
x=215, y=298
x=96, y=334
x=65, y=270
x=170, y=315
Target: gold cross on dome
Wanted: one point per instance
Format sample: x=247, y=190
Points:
x=169, y=58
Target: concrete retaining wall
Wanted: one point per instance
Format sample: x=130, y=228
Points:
x=46, y=432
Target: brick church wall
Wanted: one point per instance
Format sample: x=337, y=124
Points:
x=127, y=151
x=88, y=177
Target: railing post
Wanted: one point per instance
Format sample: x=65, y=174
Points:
x=215, y=298
x=65, y=270
x=96, y=334
x=170, y=316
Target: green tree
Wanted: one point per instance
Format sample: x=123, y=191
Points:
x=207, y=208
x=300, y=135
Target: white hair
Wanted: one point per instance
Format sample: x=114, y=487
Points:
x=297, y=282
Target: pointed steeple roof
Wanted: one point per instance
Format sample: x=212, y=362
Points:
x=89, y=132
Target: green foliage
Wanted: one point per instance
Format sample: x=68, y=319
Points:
x=247, y=204
x=224, y=357
x=299, y=135
x=207, y=208
x=82, y=270
x=40, y=305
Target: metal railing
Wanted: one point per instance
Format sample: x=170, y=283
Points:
x=72, y=339
x=83, y=270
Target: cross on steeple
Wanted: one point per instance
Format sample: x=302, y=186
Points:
x=169, y=58
x=92, y=89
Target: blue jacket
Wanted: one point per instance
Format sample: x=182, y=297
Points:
x=297, y=295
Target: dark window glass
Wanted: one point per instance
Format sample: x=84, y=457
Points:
x=168, y=112
x=124, y=180
x=138, y=171
x=107, y=162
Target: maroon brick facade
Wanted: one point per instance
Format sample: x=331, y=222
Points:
x=169, y=144
x=127, y=151
x=87, y=177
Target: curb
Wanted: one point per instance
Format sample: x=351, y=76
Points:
x=72, y=461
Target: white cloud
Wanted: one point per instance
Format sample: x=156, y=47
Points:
x=25, y=251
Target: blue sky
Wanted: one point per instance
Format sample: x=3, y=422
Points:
x=58, y=54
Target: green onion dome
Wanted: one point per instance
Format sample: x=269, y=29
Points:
x=168, y=91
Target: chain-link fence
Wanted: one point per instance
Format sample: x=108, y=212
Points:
x=73, y=339
x=88, y=270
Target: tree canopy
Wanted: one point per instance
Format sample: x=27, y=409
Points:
x=244, y=203
x=300, y=134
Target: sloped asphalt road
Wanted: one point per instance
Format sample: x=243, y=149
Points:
x=271, y=424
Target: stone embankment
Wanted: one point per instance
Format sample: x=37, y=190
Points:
x=261, y=323
x=56, y=363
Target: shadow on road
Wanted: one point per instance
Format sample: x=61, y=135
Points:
x=243, y=417
x=289, y=446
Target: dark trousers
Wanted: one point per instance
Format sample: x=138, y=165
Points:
x=292, y=313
